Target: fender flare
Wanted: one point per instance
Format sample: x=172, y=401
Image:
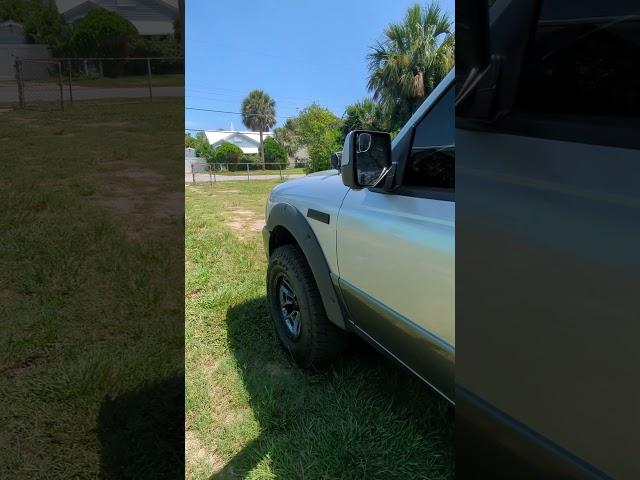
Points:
x=289, y=217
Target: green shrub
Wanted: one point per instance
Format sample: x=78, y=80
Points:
x=228, y=153
x=102, y=33
x=320, y=131
x=319, y=160
x=275, y=155
x=207, y=152
x=155, y=47
x=253, y=160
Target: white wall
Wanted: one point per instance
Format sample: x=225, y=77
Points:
x=8, y=52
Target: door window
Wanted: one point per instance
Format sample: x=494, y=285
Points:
x=431, y=162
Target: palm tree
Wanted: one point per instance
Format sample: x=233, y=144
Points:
x=362, y=115
x=288, y=137
x=410, y=61
x=259, y=113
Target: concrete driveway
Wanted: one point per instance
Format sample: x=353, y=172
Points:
x=204, y=177
x=50, y=92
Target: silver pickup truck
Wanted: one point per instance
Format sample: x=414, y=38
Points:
x=368, y=247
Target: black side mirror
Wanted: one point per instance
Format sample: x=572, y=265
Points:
x=366, y=158
x=335, y=160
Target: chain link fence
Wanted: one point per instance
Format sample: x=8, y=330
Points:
x=213, y=173
x=50, y=84
x=41, y=82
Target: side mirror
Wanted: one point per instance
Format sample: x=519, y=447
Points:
x=366, y=158
x=335, y=160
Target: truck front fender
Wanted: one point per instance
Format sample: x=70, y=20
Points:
x=288, y=217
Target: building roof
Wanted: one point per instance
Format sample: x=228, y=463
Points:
x=249, y=141
x=153, y=28
x=214, y=136
x=66, y=5
x=150, y=17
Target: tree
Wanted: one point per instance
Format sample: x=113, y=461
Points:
x=201, y=146
x=41, y=19
x=321, y=132
x=364, y=115
x=259, y=114
x=16, y=10
x=410, y=61
x=228, y=153
x=102, y=33
x=204, y=149
x=275, y=154
x=287, y=137
x=189, y=141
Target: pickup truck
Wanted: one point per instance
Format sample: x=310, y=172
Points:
x=368, y=248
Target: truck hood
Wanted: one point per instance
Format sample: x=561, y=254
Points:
x=323, y=191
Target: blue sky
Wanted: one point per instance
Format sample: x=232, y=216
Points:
x=298, y=51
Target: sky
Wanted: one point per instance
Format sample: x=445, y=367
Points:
x=298, y=51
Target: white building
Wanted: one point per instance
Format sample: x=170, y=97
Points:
x=12, y=33
x=249, y=142
x=14, y=43
x=193, y=163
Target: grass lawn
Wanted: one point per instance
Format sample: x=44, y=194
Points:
x=164, y=80
x=90, y=330
x=253, y=414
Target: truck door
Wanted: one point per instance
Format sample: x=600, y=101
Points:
x=396, y=254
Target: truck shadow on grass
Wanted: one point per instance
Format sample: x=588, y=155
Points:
x=141, y=432
x=363, y=418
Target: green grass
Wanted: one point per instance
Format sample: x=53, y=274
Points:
x=250, y=412
x=91, y=329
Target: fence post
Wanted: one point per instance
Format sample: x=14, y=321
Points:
x=70, y=89
x=280, y=170
x=210, y=181
x=19, y=80
x=193, y=175
x=60, y=85
x=247, y=172
x=214, y=173
x=149, y=79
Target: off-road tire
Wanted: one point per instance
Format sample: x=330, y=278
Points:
x=319, y=342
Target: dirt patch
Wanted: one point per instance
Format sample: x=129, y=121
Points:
x=120, y=204
x=20, y=368
x=194, y=293
x=256, y=225
x=242, y=213
x=107, y=124
x=243, y=228
x=7, y=296
x=22, y=120
x=146, y=176
x=244, y=223
x=141, y=196
x=170, y=205
x=195, y=451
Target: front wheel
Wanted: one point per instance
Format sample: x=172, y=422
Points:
x=297, y=311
